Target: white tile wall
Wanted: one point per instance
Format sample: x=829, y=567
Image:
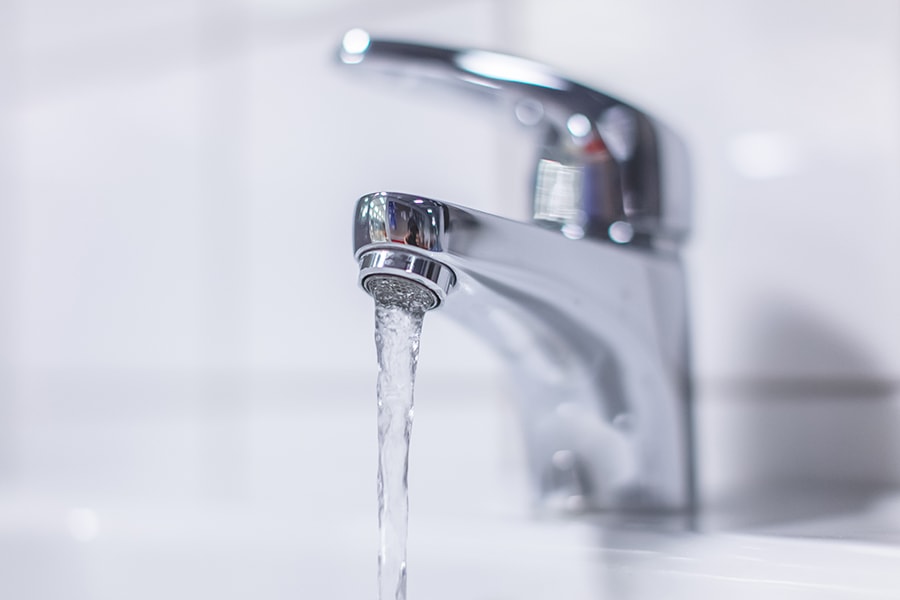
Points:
x=316, y=142
x=108, y=182
x=193, y=212
x=177, y=182
x=177, y=200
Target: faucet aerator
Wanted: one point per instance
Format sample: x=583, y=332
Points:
x=398, y=292
x=397, y=277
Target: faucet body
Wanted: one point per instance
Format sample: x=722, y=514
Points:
x=587, y=303
x=594, y=333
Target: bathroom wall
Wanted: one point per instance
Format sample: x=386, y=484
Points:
x=177, y=182
x=178, y=299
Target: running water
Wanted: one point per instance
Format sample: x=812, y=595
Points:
x=399, y=310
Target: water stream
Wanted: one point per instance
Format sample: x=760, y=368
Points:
x=399, y=311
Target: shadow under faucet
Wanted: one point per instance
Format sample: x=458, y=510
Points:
x=587, y=303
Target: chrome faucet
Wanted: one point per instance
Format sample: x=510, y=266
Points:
x=587, y=303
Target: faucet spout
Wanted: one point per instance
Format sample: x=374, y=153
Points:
x=594, y=332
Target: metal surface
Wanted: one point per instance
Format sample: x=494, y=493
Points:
x=603, y=169
x=432, y=275
x=414, y=224
x=595, y=335
x=595, y=329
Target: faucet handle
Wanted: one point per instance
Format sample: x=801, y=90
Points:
x=598, y=172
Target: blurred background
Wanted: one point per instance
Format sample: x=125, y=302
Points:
x=179, y=318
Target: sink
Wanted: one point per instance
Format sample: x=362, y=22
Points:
x=292, y=513
x=233, y=552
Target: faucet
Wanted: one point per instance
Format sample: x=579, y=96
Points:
x=586, y=303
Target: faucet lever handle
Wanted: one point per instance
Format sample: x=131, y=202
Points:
x=598, y=173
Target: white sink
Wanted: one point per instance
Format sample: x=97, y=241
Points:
x=274, y=499
x=221, y=552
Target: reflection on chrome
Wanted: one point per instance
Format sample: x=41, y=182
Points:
x=354, y=45
x=579, y=125
x=503, y=67
x=621, y=232
x=593, y=327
